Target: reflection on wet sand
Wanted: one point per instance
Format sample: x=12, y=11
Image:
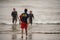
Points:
x=38, y=32
x=29, y=37
x=14, y=27
x=14, y=36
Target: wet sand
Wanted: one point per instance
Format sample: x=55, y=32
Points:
x=35, y=32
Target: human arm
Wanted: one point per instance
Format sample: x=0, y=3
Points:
x=32, y=15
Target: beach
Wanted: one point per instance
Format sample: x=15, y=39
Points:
x=35, y=32
x=46, y=22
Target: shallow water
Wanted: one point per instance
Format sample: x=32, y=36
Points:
x=35, y=32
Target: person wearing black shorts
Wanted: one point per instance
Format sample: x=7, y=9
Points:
x=31, y=16
x=14, y=16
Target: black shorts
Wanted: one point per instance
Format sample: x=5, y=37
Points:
x=14, y=19
x=31, y=21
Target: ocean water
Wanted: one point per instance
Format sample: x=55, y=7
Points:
x=45, y=11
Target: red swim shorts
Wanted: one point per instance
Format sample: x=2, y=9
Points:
x=24, y=25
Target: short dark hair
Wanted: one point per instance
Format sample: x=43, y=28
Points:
x=25, y=10
x=13, y=8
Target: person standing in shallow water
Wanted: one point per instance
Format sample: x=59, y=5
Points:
x=24, y=21
x=31, y=16
x=14, y=16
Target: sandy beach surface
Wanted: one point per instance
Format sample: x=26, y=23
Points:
x=35, y=32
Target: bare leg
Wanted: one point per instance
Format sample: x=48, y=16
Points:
x=13, y=20
x=22, y=33
x=26, y=32
x=31, y=22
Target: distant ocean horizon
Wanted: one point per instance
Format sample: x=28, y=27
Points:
x=45, y=11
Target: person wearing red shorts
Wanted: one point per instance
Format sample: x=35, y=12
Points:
x=23, y=20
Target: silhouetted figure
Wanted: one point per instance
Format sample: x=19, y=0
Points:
x=14, y=16
x=31, y=16
x=24, y=23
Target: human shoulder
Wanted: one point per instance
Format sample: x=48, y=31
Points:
x=21, y=14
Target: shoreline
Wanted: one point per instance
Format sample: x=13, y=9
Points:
x=34, y=23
